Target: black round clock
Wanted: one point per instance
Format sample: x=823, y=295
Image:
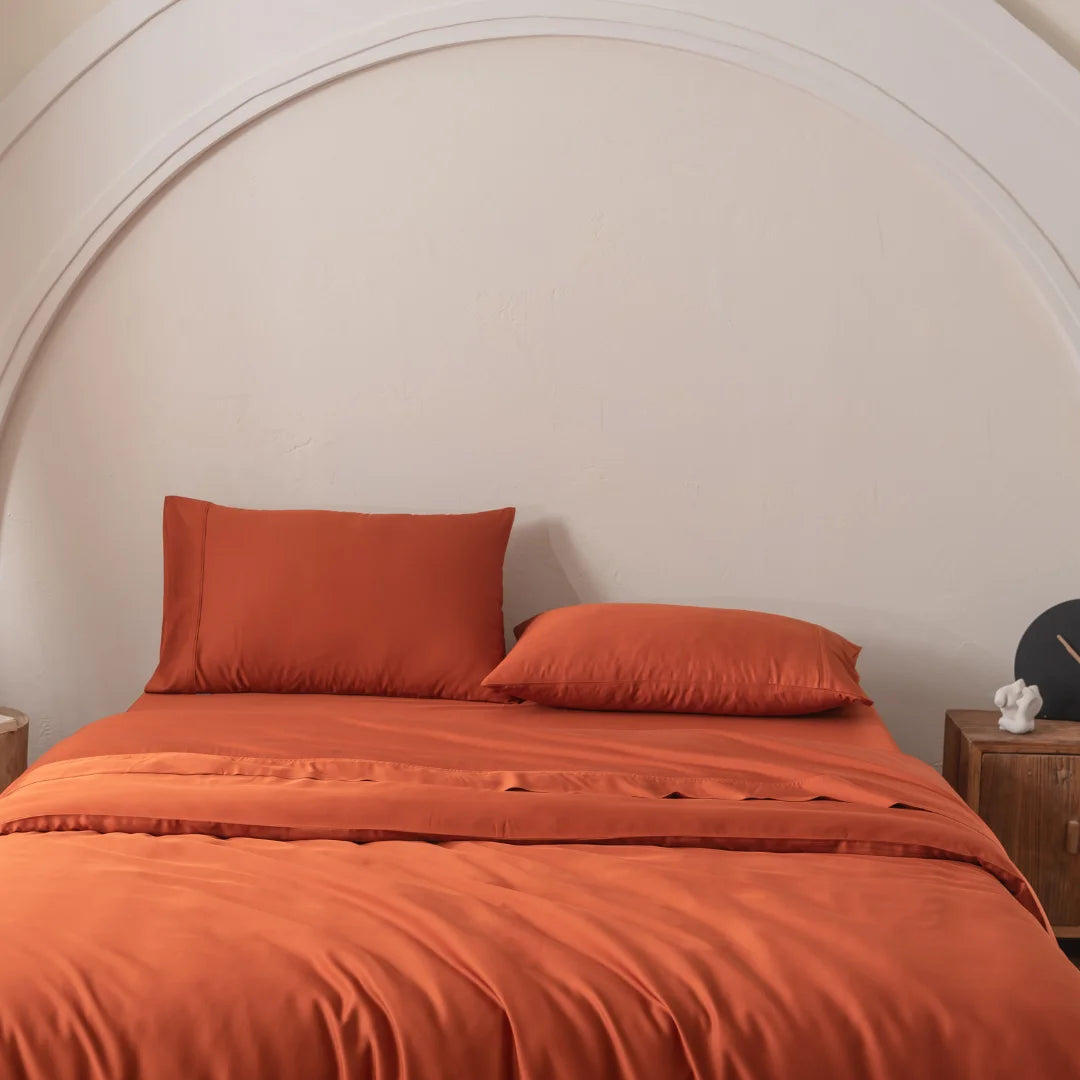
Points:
x=1049, y=656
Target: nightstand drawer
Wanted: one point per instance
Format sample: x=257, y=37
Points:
x=1032, y=802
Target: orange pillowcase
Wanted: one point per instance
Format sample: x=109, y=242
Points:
x=324, y=602
x=667, y=658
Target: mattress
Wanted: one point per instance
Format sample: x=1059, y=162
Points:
x=388, y=888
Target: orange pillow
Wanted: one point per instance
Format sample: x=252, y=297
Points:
x=667, y=658
x=323, y=602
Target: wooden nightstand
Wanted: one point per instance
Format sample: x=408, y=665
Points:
x=1027, y=789
x=14, y=728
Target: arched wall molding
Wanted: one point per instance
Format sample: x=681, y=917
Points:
x=958, y=82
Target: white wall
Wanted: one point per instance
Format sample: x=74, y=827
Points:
x=29, y=29
x=719, y=342
x=1057, y=22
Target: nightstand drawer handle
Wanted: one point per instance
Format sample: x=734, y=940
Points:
x=1072, y=837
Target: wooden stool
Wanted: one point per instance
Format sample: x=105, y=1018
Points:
x=14, y=729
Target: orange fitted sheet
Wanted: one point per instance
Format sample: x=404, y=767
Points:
x=319, y=888
x=330, y=721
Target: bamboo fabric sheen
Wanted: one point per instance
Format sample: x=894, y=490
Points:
x=431, y=899
x=321, y=601
x=672, y=658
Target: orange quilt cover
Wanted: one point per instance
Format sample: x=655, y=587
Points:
x=465, y=901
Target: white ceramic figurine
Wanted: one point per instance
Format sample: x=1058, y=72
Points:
x=1019, y=705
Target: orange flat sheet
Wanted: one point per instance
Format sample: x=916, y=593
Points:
x=198, y=892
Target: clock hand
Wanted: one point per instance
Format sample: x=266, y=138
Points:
x=1069, y=649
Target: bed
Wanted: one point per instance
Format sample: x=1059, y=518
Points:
x=257, y=885
x=345, y=833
